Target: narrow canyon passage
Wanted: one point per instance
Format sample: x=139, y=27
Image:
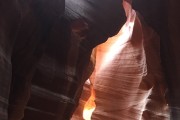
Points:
x=119, y=59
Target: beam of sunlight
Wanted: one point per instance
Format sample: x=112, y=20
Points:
x=118, y=41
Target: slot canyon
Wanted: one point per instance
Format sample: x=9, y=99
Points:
x=89, y=60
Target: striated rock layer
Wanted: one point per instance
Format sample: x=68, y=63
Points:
x=128, y=79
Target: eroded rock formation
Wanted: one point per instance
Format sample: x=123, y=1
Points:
x=128, y=79
x=49, y=43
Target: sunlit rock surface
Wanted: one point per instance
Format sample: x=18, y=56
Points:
x=26, y=25
x=128, y=78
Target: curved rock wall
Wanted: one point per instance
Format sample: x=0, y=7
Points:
x=26, y=25
x=9, y=26
x=128, y=79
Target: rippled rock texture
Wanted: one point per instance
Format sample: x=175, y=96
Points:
x=45, y=49
x=128, y=79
